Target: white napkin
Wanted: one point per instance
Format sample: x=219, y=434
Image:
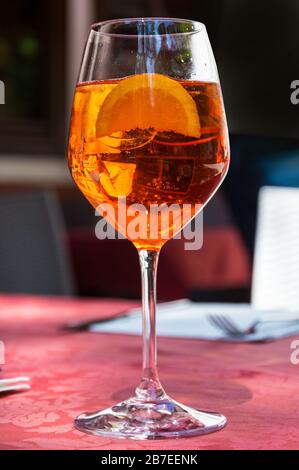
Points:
x=187, y=319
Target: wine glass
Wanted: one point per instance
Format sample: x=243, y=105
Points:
x=148, y=137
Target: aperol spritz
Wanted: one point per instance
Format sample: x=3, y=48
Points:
x=170, y=150
x=148, y=133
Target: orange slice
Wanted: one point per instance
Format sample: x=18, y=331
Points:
x=148, y=101
x=117, y=181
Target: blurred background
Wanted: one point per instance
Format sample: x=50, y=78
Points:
x=47, y=240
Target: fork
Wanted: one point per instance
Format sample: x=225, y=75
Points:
x=14, y=384
x=225, y=324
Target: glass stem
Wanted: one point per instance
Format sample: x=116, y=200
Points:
x=150, y=387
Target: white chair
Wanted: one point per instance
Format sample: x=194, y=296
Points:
x=275, y=283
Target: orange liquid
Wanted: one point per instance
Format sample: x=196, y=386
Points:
x=147, y=166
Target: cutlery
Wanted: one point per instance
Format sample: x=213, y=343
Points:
x=229, y=327
x=14, y=384
x=85, y=325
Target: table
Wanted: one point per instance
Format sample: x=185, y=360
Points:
x=254, y=385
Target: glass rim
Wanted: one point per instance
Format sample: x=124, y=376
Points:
x=95, y=27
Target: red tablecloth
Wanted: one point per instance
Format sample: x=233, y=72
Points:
x=255, y=386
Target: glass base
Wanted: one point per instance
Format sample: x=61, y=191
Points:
x=158, y=419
